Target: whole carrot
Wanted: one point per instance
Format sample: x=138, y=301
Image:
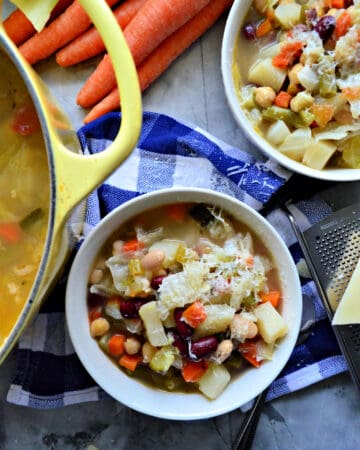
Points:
x=19, y=28
x=154, y=22
x=166, y=53
x=90, y=44
x=69, y=25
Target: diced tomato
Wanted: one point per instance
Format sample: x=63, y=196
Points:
x=26, y=120
x=95, y=313
x=194, y=314
x=192, y=371
x=133, y=245
x=10, y=232
x=248, y=351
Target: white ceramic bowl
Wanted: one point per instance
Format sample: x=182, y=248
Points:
x=179, y=406
x=233, y=26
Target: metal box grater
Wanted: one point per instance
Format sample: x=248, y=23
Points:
x=332, y=249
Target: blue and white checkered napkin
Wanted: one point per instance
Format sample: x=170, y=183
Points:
x=169, y=154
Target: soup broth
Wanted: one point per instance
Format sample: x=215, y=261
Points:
x=24, y=195
x=183, y=297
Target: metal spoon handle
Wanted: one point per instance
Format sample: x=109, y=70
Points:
x=248, y=427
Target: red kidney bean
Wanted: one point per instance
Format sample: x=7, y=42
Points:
x=156, y=281
x=95, y=300
x=130, y=308
x=183, y=328
x=249, y=32
x=203, y=346
x=181, y=344
x=325, y=27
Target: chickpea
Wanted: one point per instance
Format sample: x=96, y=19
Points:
x=117, y=247
x=132, y=346
x=96, y=276
x=223, y=351
x=243, y=328
x=148, y=352
x=99, y=327
x=264, y=96
x=152, y=260
x=293, y=73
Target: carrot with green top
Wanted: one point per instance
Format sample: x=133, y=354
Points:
x=165, y=54
x=19, y=28
x=153, y=23
x=194, y=314
x=192, y=371
x=69, y=25
x=90, y=44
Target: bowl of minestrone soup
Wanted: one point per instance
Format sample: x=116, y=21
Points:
x=291, y=78
x=183, y=303
x=43, y=177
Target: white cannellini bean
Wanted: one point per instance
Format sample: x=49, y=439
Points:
x=152, y=260
x=99, y=327
x=132, y=346
x=148, y=352
x=96, y=276
x=223, y=351
x=242, y=328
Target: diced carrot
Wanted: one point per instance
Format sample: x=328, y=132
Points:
x=10, y=232
x=116, y=345
x=351, y=93
x=130, y=361
x=95, y=313
x=90, y=44
x=287, y=55
x=70, y=24
x=192, y=371
x=249, y=261
x=272, y=296
x=283, y=99
x=264, y=27
x=132, y=246
x=161, y=58
x=194, y=314
x=323, y=113
x=177, y=212
x=249, y=352
x=343, y=23
x=154, y=22
x=339, y=4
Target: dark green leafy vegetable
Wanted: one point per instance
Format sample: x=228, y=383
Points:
x=31, y=218
x=201, y=214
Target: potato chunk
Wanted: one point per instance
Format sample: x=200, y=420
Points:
x=263, y=73
x=270, y=323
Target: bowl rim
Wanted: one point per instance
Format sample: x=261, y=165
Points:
x=231, y=31
x=150, y=401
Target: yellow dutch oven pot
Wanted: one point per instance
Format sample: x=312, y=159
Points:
x=72, y=175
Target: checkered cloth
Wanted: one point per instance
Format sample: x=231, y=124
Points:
x=169, y=154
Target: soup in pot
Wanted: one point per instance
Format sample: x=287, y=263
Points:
x=24, y=195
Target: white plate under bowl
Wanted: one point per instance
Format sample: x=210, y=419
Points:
x=233, y=26
x=155, y=402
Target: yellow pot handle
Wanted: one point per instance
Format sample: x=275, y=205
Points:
x=78, y=175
